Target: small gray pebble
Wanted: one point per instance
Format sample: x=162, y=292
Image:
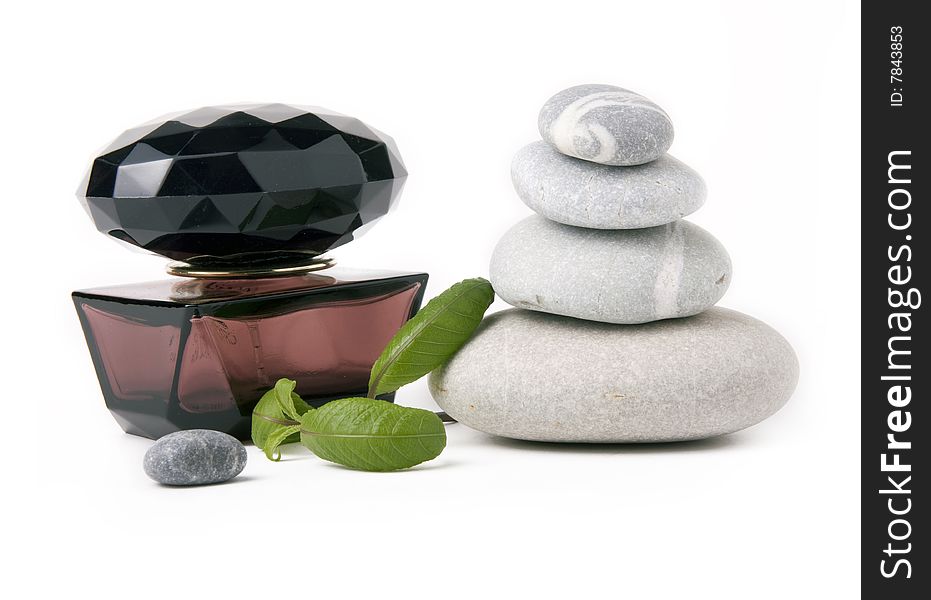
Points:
x=624, y=276
x=605, y=124
x=195, y=457
x=534, y=376
x=575, y=192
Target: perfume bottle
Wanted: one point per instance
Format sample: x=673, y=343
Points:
x=244, y=200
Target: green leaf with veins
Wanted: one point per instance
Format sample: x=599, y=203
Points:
x=282, y=435
x=372, y=435
x=276, y=417
x=291, y=405
x=432, y=336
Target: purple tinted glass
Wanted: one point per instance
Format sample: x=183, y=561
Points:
x=187, y=354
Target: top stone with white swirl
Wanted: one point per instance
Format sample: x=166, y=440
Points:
x=606, y=124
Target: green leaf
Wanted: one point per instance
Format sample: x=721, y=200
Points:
x=290, y=403
x=278, y=437
x=372, y=435
x=269, y=418
x=432, y=336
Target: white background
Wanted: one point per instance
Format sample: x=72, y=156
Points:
x=765, y=101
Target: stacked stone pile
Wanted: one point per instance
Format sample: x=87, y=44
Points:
x=614, y=337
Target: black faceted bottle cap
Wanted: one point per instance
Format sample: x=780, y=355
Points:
x=252, y=180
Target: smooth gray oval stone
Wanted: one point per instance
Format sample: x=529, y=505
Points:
x=534, y=376
x=605, y=124
x=579, y=193
x=195, y=457
x=621, y=276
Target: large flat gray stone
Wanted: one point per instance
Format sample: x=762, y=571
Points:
x=534, y=376
x=621, y=276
